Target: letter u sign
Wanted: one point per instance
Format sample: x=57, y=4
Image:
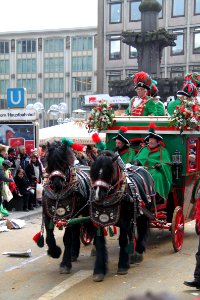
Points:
x=16, y=97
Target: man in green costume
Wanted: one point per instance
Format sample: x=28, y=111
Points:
x=141, y=105
x=188, y=91
x=126, y=153
x=156, y=159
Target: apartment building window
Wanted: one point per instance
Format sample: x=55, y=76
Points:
x=4, y=66
x=179, y=48
x=80, y=84
x=132, y=52
x=82, y=43
x=160, y=15
x=115, y=47
x=4, y=47
x=134, y=12
x=175, y=74
x=197, y=7
x=26, y=46
x=196, y=49
x=115, y=13
x=29, y=84
x=54, y=85
x=114, y=75
x=31, y=100
x=81, y=63
x=53, y=64
x=50, y=101
x=26, y=66
x=54, y=45
x=178, y=8
x=76, y=103
x=4, y=85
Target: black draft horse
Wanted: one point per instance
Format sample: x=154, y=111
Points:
x=116, y=199
x=65, y=197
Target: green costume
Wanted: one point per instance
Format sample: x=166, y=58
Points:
x=163, y=177
x=172, y=106
x=145, y=108
x=1, y=160
x=127, y=155
x=160, y=109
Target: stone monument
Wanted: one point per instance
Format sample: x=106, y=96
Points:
x=149, y=44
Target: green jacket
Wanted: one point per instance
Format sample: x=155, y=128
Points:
x=160, y=109
x=150, y=107
x=127, y=155
x=172, y=106
x=162, y=177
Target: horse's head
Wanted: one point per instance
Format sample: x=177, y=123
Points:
x=104, y=174
x=60, y=158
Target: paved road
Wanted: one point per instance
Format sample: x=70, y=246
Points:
x=38, y=277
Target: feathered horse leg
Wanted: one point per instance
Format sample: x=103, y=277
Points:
x=53, y=250
x=66, y=265
x=123, y=264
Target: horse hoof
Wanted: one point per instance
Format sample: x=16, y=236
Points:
x=93, y=252
x=65, y=270
x=122, y=271
x=136, y=258
x=98, y=277
x=74, y=258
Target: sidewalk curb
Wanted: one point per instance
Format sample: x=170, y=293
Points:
x=37, y=212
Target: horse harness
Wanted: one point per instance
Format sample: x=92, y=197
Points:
x=62, y=206
x=128, y=188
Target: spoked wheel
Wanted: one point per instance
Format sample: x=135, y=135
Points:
x=177, y=229
x=86, y=235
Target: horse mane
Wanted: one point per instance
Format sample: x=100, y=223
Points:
x=103, y=162
x=59, y=157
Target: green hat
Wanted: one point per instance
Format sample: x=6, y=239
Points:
x=122, y=136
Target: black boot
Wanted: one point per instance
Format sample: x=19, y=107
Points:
x=195, y=283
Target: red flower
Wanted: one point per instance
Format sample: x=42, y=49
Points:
x=195, y=108
x=99, y=108
x=182, y=109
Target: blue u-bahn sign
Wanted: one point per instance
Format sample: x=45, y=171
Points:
x=16, y=97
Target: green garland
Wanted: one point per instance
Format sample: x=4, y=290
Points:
x=101, y=117
x=186, y=116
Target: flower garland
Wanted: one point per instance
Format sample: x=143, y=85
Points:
x=186, y=115
x=101, y=117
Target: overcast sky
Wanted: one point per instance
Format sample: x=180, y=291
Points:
x=22, y=15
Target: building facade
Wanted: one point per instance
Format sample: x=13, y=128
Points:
x=54, y=66
x=117, y=61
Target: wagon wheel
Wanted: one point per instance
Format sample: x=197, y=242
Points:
x=86, y=236
x=177, y=229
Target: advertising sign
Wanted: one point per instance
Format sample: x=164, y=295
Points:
x=18, y=115
x=15, y=135
x=94, y=99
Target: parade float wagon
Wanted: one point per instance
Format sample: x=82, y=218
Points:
x=184, y=150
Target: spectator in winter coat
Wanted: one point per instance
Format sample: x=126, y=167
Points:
x=34, y=172
x=24, y=158
x=24, y=188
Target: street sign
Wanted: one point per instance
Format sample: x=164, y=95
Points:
x=16, y=97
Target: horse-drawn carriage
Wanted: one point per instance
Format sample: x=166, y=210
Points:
x=184, y=150
x=112, y=196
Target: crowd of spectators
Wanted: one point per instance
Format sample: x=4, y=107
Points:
x=21, y=173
